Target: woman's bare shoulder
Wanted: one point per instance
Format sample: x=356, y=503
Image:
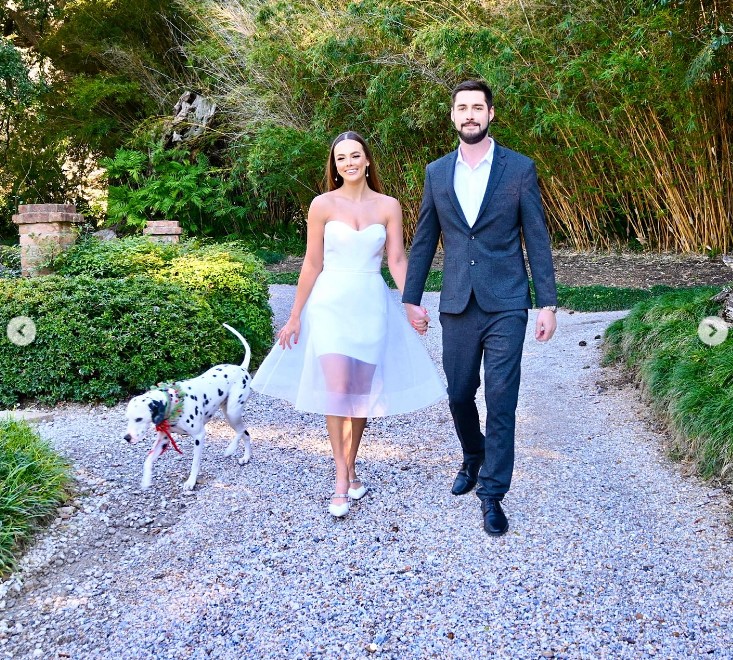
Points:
x=390, y=206
x=321, y=205
x=388, y=203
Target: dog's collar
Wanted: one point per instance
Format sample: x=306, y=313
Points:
x=173, y=402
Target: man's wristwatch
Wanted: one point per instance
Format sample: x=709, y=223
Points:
x=552, y=308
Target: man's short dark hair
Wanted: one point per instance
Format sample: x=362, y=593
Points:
x=474, y=86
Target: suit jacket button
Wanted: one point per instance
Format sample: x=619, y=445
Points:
x=473, y=263
x=472, y=237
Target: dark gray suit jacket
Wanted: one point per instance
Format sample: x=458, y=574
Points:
x=486, y=258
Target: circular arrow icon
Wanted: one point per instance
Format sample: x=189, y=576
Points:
x=21, y=330
x=712, y=330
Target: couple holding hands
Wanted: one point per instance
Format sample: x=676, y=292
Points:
x=346, y=350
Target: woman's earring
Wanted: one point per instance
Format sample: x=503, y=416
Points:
x=367, y=171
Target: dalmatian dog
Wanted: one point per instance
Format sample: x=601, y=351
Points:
x=185, y=407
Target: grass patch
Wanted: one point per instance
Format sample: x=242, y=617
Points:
x=689, y=383
x=604, y=298
x=34, y=480
x=577, y=298
x=283, y=278
x=433, y=283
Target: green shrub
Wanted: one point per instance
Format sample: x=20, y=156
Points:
x=100, y=339
x=226, y=275
x=118, y=258
x=688, y=382
x=234, y=284
x=33, y=482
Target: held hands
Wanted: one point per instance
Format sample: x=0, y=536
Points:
x=545, y=326
x=290, y=329
x=418, y=318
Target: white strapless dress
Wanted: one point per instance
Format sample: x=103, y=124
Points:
x=357, y=356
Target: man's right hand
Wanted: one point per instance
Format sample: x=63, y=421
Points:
x=418, y=318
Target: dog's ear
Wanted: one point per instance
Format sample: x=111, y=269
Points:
x=157, y=411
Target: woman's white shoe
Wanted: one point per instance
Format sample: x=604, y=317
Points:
x=357, y=493
x=339, y=510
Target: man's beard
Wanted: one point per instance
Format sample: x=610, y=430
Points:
x=474, y=138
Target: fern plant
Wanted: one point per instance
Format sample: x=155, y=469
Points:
x=171, y=185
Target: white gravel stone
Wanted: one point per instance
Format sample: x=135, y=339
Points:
x=611, y=552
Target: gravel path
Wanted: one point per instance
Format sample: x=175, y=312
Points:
x=611, y=552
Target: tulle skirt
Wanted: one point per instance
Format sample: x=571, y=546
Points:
x=356, y=356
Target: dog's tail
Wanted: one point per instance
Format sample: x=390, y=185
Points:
x=247, y=351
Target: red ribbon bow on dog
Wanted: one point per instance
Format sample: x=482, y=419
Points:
x=165, y=427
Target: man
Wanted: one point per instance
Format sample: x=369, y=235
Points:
x=484, y=199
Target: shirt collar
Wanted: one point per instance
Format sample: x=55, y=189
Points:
x=487, y=157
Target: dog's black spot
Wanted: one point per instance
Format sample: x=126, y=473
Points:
x=198, y=442
x=138, y=419
x=220, y=392
x=189, y=387
x=218, y=369
x=226, y=375
x=157, y=411
x=196, y=410
x=213, y=375
x=195, y=398
x=190, y=416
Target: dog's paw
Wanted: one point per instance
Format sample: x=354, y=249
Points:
x=189, y=485
x=244, y=459
x=231, y=449
x=145, y=483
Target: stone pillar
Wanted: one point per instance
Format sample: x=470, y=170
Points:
x=46, y=230
x=163, y=231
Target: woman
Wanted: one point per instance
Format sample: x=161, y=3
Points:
x=346, y=351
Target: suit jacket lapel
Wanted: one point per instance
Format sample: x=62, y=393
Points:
x=448, y=172
x=497, y=169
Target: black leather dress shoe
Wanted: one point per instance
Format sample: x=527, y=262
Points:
x=466, y=478
x=495, y=522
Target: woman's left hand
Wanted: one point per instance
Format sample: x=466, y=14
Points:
x=290, y=330
x=418, y=317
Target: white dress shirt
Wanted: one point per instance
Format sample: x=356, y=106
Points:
x=470, y=184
